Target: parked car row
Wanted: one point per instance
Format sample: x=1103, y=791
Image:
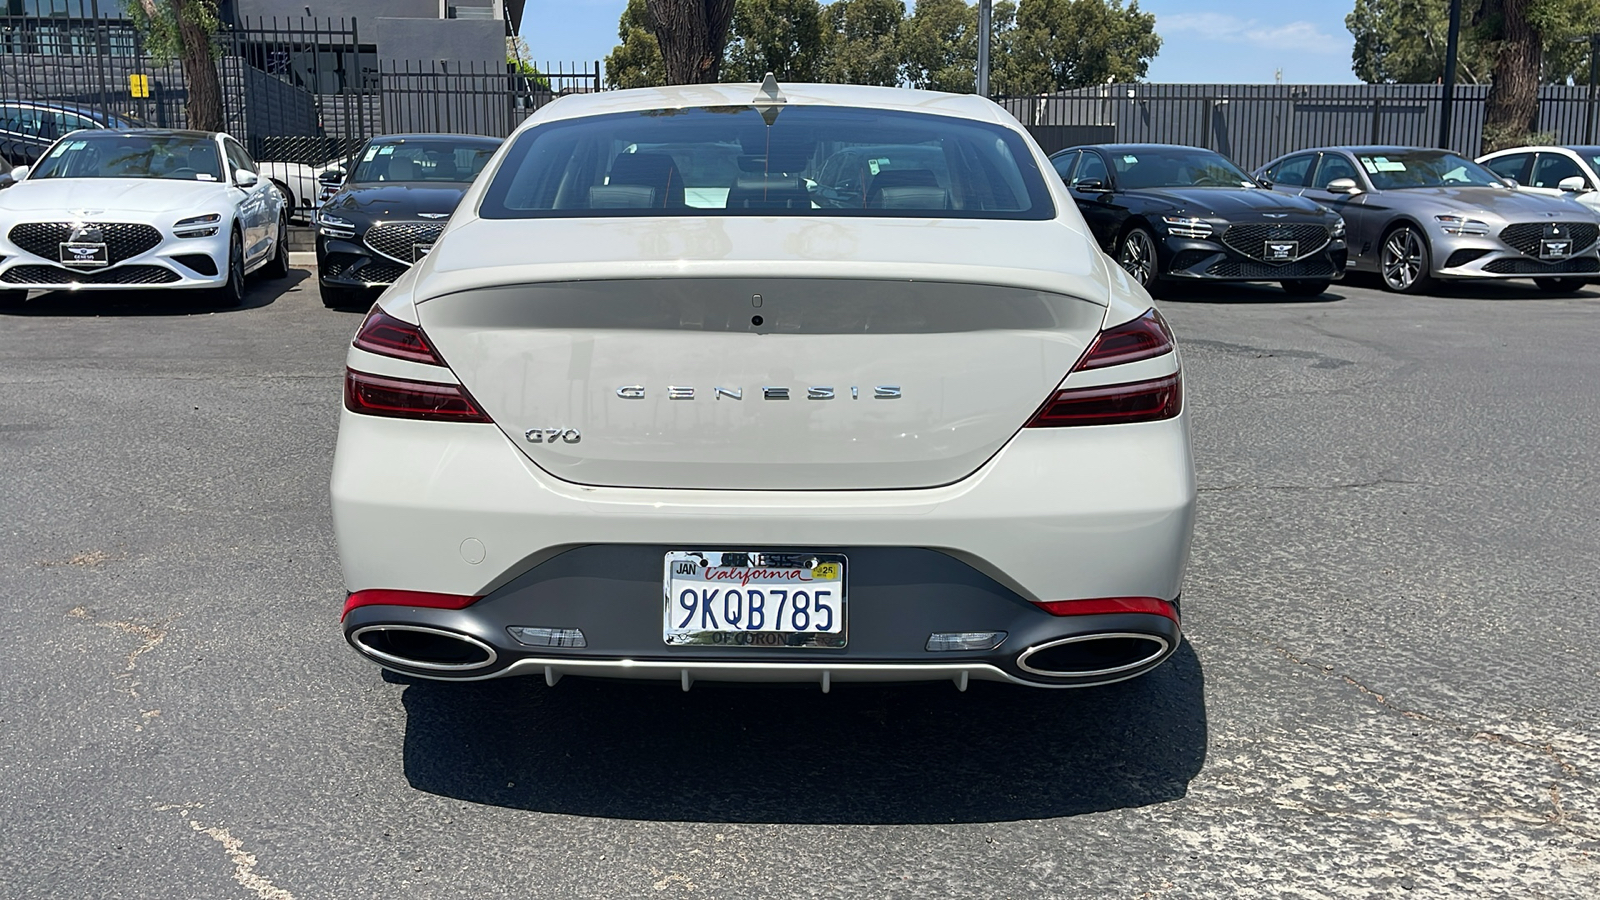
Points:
x=1410, y=215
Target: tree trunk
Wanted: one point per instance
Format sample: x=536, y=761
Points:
x=204, y=106
x=1512, y=108
x=691, y=34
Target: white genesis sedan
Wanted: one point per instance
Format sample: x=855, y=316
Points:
x=691, y=389
x=134, y=210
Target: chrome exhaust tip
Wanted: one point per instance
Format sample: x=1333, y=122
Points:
x=1094, y=655
x=423, y=648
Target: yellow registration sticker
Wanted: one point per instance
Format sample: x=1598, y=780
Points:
x=828, y=571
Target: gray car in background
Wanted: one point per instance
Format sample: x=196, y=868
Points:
x=1414, y=215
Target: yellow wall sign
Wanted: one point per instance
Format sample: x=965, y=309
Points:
x=139, y=85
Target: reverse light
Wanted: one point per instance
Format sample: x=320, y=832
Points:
x=965, y=640
x=1105, y=605
x=402, y=398
x=335, y=227
x=197, y=226
x=548, y=637
x=1461, y=225
x=1187, y=227
x=387, y=597
x=386, y=335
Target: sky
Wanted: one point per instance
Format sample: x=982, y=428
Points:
x=1205, y=41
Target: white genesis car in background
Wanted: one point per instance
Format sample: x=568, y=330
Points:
x=134, y=210
x=664, y=403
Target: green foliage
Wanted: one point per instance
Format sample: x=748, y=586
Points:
x=784, y=37
x=1404, y=41
x=863, y=42
x=636, y=61
x=939, y=46
x=157, y=22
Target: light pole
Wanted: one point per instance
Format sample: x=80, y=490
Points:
x=985, y=11
x=1452, y=47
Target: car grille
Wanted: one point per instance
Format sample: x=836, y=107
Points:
x=1251, y=239
x=124, y=240
x=1190, y=258
x=378, y=273
x=1524, y=237
x=395, y=239
x=1580, y=265
x=50, y=275
x=1305, y=268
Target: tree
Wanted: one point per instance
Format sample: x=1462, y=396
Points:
x=863, y=42
x=182, y=30
x=939, y=46
x=691, y=35
x=1063, y=44
x=784, y=37
x=1520, y=31
x=636, y=62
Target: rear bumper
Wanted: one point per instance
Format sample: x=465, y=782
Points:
x=1058, y=514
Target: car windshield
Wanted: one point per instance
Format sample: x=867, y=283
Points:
x=1162, y=167
x=743, y=160
x=1590, y=155
x=183, y=157
x=421, y=160
x=1400, y=169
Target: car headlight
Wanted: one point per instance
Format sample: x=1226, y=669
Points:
x=1337, y=229
x=335, y=227
x=1187, y=227
x=1461, y=225
x=197, y=226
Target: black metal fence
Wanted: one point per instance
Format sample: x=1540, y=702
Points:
x=1254, y=123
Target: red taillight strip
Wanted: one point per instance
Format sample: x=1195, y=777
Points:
x=1143, y=338
x=401, y=398
x=1113, y=404
x=387, y=597
x=1103, y=605
x=386, y=335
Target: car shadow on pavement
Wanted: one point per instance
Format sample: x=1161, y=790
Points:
x=259, y=292
x=1239, y=293
x=863, y=754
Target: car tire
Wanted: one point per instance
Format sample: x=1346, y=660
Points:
x=1136, y=254
x=342, y=298
x=1559, y=285
x=1405, y=261
x=279, y=266
x=1314, y=287
x=231, y=293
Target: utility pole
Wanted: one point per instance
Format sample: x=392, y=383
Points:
x=1594, y=76
x=985, y=13
x=1448, y=101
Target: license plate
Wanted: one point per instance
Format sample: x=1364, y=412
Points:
x=75, y=253
x=1281, y=251
x=418, y=251
x=754, y=599
x=1555, y=249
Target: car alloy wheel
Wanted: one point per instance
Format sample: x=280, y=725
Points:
x=1404, y=260
x=231, y=293
x=279, y=267
x=1138, y=256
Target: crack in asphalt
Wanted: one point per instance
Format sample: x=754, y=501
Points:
x=151, y=636
x=244, y=864
x=1312, y=487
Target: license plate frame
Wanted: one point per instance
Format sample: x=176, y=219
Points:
x=1548, y=248
x=83, y=254
x=722, y=582
x=1280, y=251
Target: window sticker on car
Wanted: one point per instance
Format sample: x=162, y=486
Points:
x=1385, y=164
x=1129, y=158
x=204, y=176
x=873, y=165
x=1369, y=165
x=386, y=151
x=371, y=152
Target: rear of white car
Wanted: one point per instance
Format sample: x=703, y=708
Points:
x=641, y=414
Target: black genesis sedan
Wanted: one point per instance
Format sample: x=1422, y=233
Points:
x=1170, y=213
x=394, y=203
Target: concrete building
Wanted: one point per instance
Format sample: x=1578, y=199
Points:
x=472, y=32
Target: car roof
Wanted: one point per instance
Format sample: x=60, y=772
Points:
x=151, y=132
x=465, y=138
x=1122, y=148
x=967, y=106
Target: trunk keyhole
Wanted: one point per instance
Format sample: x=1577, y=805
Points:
x=756, y=320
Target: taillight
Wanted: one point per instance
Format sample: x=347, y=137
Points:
x=385, y=597
x=385, y=335
x=1102, y=605
x=1143, y=338
x=402, y=398
x=1119, y=404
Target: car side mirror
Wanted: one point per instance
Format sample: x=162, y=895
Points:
x=1265, y=182
x=17, y=174
x=1573, y=185
x=1090, y=184
x=246, y=179
x=332, y=178
x=1511, y=182
x=1343, y=186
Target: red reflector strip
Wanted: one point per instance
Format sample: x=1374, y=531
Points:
x=386, y=335
x=378, y=395
x=1100, y=606
x=386, y=597
x=1113, y=404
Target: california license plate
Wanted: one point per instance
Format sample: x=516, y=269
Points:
x=1281, y=251
x=74, y=253
x=754, y=599
x=1559, y=249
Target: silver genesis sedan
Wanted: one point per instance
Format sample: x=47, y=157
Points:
x=1414, y=215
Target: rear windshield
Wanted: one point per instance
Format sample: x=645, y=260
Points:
x=730, y=160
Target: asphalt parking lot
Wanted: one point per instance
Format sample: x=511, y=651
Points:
x=1389, y=686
